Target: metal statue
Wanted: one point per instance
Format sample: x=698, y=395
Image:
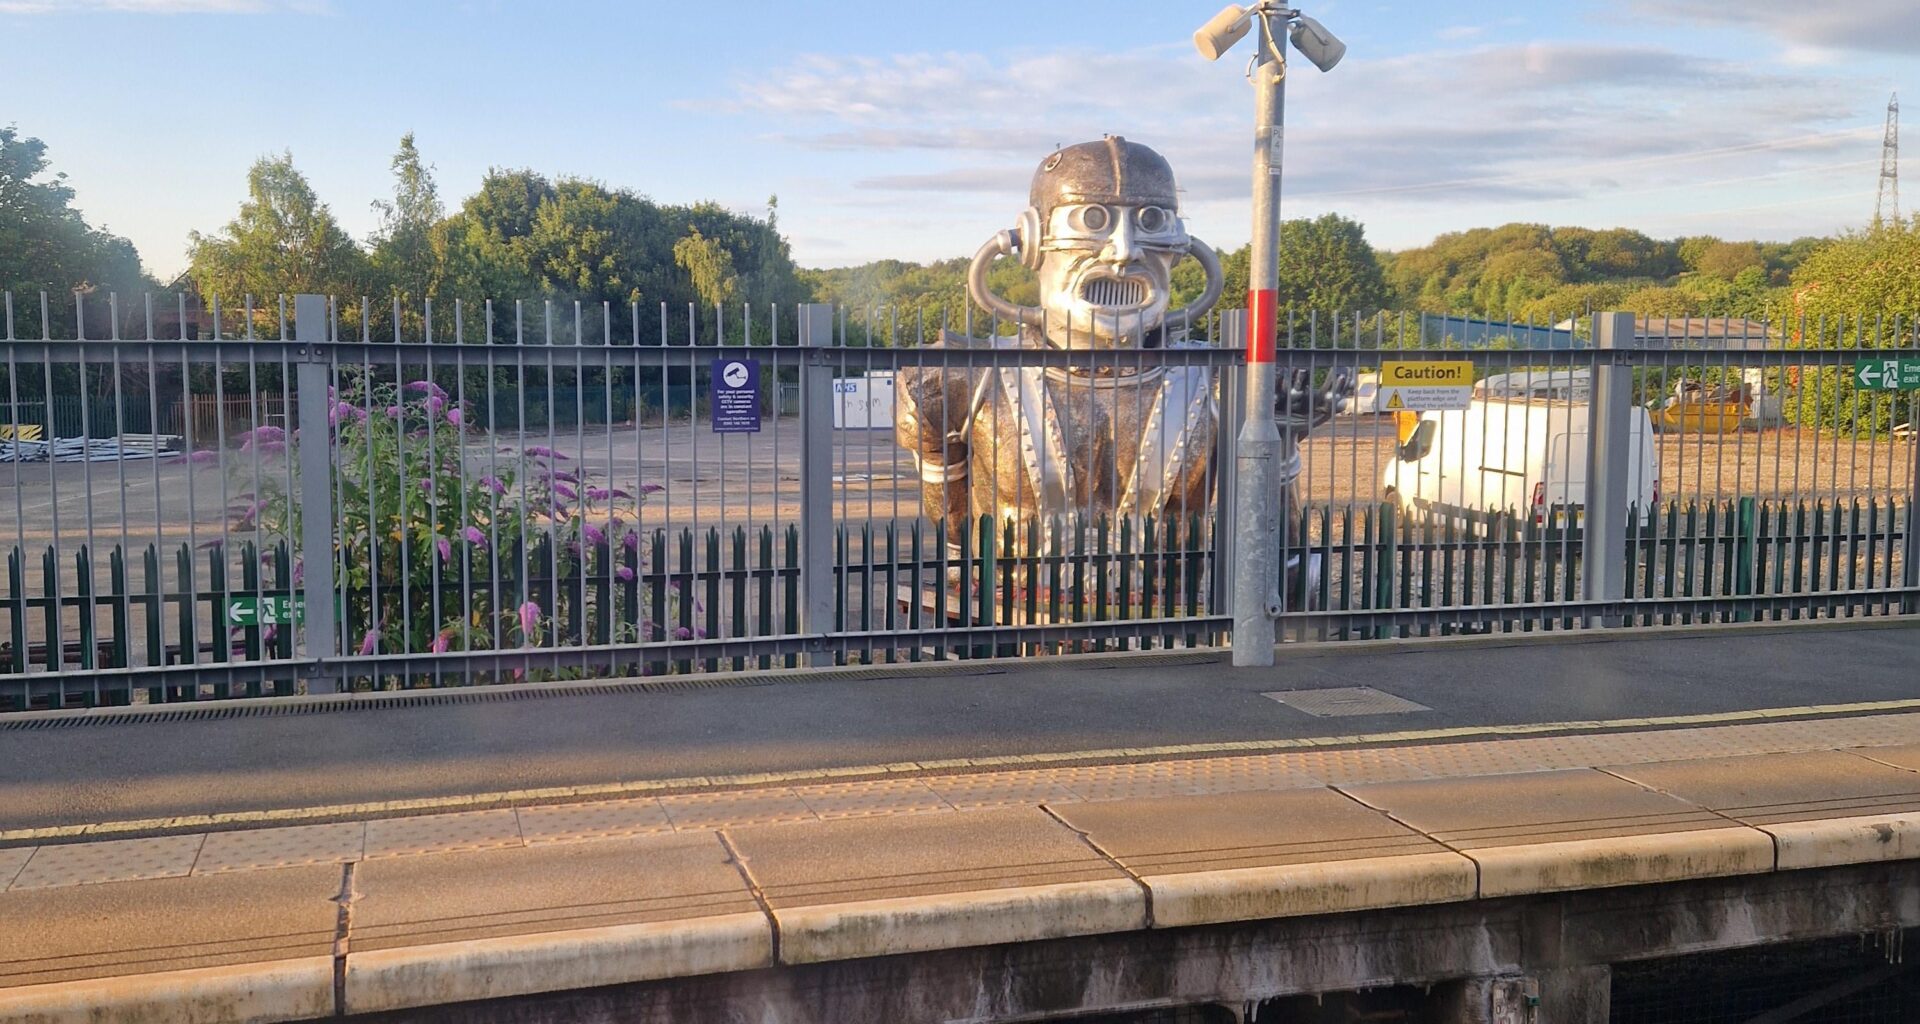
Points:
x=1107, y=434
x=1112, y=429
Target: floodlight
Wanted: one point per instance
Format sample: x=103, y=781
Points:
x=1316, y=43
x=1219, y=34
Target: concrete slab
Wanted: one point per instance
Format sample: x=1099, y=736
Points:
x=604, y=819
x=874, y=886
x=111, y=929
x=1902, y=755
x=437, y=898
x=11, y=861
x=1244, y=856
x=282, y=990
x=1558, y=830
x=443, y=833
x=1767, y=789
x=248, y=849
x=447, y=928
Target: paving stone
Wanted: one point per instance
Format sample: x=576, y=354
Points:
x=603, y=819
x=447, y=897
x=110, y=929
x=703, y=811
x=109, y=860
x=1533, y=807
x=335, y=843
x=1767, y=789
x=443, y=833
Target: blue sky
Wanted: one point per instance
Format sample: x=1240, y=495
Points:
x=909, y=129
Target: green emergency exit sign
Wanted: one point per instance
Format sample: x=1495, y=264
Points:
x=1887, y=374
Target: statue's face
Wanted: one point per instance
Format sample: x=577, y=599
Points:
x=1105, y=272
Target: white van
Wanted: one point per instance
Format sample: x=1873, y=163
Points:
x=1524, y=459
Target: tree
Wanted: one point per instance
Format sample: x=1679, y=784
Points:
x=46, y=245
x=283, y=241
x=1860, y=290
x=405, y=259
x=1325, y=264
x=710, y=267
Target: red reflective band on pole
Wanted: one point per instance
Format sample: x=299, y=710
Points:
x=1261, y=324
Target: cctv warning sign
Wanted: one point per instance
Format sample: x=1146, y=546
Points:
x=1426, y=385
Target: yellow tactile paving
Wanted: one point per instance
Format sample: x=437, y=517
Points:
x=744, y=807
x=443, y=833
x=602, y=819
x=248, y=849
x=861, y=799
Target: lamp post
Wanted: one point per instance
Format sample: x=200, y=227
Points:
x=1259, y=449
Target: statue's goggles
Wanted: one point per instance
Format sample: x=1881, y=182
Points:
x=1094, y=226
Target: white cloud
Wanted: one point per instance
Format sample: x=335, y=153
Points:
x=1882, y=26
x=153, y=6
x=1454, y=32
x=1557, y=132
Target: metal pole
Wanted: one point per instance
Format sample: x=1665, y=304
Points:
x=1610, y=451
x=313, y=378
x=1256, y=520
x=1233, y=324
x=816, y=479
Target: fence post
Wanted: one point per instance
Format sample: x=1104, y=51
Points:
x=1233, y=324
x=1603, y=570
x=816, y=479
x=313, y=378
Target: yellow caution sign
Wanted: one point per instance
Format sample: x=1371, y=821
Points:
x=1426, y=385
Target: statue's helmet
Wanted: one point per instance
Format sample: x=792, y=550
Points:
x=1106, y=232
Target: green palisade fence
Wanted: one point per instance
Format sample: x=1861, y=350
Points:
x=896, y=583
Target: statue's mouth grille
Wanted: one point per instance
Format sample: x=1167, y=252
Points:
x=1114, y=291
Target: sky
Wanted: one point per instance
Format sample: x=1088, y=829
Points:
x=909, y=129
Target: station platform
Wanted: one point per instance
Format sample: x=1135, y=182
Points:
x=480, y=872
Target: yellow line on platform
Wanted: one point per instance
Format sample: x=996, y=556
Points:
x=644, y=787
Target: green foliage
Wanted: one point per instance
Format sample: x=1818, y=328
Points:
x=422, y=535
x=283, y=241
x=46, y=245
x=1861, y=291
x=405, y=259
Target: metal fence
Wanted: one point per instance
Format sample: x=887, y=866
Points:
x=540, y=491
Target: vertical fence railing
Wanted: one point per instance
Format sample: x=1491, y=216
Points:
x=307, y=495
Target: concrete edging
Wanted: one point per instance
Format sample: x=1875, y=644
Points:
x=513, y=965
x=1830, y=842
x=917, y=924
x=1622, y=860
x=1299, y=890
x=276, y=990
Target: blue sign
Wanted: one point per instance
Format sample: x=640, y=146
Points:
x=736, y=396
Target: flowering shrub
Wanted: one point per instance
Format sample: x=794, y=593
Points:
x=428, y=543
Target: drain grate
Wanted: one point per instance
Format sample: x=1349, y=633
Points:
x=1341, y=701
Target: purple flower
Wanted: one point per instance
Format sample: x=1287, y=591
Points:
x=446, y=548
x=529, y=617
x=565, y=492
x=434, y=404
x=599, y=493
x=453, y=416
x=541, y=451
x=428, y=387
x=651, y=488
x=442, y=640
x=624, y=573
x=631, y=540
x=682, y=633
x=475, y=537
x=270, y=447
x=393, y=412
x=567, y=475
x=368, y=642
x=204, y=457
x=493, y=484
x=426, y=486
x=593, y=534
x=263, y=434
x=299, y=571
x=270, y=634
